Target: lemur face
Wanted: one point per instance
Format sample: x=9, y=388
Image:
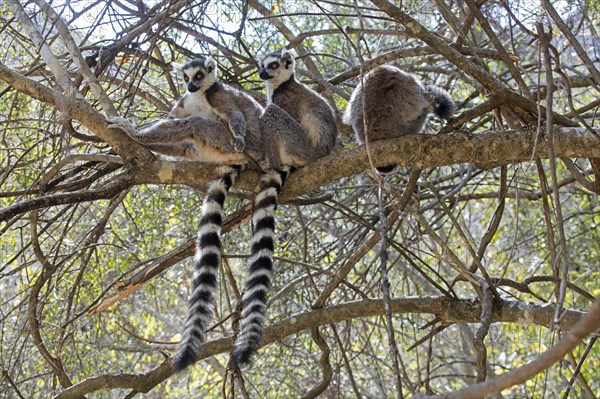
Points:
x=199, y=74
x=277, y=67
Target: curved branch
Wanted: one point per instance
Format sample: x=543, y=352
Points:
x=65, y=198
x=446, y=309
x=35, y=306
x=588, y=323
x=325, y=365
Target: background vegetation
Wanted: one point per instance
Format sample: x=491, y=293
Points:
x=491, y=224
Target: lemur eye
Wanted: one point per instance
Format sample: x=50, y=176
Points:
x=185, y=78
x=274, y=65
x=199, y=76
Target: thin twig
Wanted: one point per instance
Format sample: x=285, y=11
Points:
x=385, y=288
x=589, y=323
x=324, y=363
x=564, y=260
x=577, y=371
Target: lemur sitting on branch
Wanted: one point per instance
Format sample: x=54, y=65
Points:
x=311, y=132
x=394, y=103
x=211, y=122
x=276, y=139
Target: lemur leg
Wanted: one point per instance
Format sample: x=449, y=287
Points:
x=289, y=143
x=206, y=265
x=175, y=130
x=260, y=265
x=182, y=150
x=193, y=128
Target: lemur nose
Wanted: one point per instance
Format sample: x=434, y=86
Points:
x=264, y=75
x=192, y=88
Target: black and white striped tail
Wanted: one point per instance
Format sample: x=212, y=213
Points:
x=206, y=267
x=254, y=298
x=387, y=169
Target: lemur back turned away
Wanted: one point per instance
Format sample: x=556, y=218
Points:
x=395, y=104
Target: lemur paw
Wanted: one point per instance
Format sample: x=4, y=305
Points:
x=116, y=122
x=238, y=144
x=189, y=150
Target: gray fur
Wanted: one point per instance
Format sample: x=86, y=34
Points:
x=194, y=138
x=298, y=120
x=196, y=130
x=201, y=124
x=396, y=103
x=299, y=127
x=242, y=114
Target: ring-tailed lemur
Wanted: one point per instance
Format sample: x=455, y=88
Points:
x=209, y=123
x=288, y=140
x=395, y=103
x=208, y=109
x=301, y=128
x=293, y=106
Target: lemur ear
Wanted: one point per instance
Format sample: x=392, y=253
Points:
x=210, y=64
x=178, y=67
x=287, y=57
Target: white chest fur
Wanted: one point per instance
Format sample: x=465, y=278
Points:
x=196, y=105
x=269, y=91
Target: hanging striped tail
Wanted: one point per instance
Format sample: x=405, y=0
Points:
x=206, y=267
x=254, y=299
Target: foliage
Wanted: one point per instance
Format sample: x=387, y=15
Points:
x=79, y=294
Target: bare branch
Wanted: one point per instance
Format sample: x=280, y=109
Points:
x=588, y=323
x=450, y=310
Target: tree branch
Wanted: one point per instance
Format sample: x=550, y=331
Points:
x=65, y=198
x=417, y=151
x=80, y=110
x=448, y=310
x=588, y=323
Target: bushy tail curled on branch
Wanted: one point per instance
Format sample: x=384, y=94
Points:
x=258, y=281
x=206, y=267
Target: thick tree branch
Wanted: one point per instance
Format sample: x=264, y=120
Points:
x=80, y=110
x=417, y=151
x=447, y=310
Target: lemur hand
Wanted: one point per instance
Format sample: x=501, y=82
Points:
x=116, y=122
x=238, y=143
